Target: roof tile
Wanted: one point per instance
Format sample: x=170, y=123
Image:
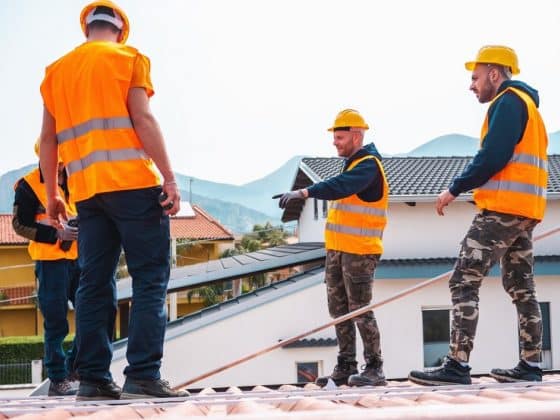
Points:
x=7, y=234
x=201, y=226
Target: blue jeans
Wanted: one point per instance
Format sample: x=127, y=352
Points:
x=134, y=220
x=58, y=280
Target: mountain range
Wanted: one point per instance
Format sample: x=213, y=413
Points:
x=240, y=207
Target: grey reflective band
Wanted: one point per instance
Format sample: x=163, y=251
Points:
x=520, y=187
x=104, y=156
x=94, y=124
x=353, y=208
x=530, y=160
x=378, y=233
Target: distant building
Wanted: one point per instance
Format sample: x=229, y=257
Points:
x=196, y=237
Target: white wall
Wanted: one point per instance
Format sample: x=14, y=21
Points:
x=418, y=232
x=400, y=323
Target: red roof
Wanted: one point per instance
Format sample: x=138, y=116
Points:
x=485, y=399
x=199, y=226
x=7, y=234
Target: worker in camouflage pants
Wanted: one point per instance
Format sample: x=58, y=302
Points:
x=359, y=198
x=508, y=177
x=496, y=237
x=349, y=281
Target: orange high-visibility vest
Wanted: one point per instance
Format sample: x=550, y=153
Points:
x=356, y=226
x=520, y=187
x=86, y=93
x=40, y=251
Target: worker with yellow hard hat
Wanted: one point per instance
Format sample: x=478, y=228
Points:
x=98, y=120
x=354, y=242
x=55, y=252
x=509, y=178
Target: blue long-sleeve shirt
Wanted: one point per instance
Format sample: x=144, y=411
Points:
x=363, y=179
x=507, y=119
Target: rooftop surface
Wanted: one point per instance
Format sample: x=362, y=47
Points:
x=484, y=399
x=7, y=234
x=410, y=178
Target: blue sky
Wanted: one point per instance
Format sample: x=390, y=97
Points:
x=242, y=86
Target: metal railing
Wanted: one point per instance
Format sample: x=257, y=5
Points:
x=21, y=372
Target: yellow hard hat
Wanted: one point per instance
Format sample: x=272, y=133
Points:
x=349, y=118
x=495, y=54
x=120, y=21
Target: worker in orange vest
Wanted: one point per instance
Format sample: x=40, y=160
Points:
x=55, y=253
x=97, y=117
x=509, y=178
x=354, y=242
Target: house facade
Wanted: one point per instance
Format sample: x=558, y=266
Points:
x=419, y=245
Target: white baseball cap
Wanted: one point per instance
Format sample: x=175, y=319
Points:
x=102, y=15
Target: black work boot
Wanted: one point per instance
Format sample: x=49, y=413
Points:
x=450, y=373
x=92, y=390
x=62, y=388
x=372, y=375
x=520, y=373
x=149, y=388
x=341, y=373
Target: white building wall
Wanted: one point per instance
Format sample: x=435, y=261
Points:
x=418, y=232
x=400, y=323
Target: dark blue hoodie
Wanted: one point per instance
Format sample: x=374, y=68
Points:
x=363, y=179
x=507, y=118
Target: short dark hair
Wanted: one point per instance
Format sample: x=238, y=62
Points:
x=101, y=24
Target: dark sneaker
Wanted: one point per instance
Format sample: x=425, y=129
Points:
x=91, y=390
x=73, y=376
x=450, y=373
x=520, y=373
x=62, y=388
x=341, y=372
x=149, y=388
x=372, y=375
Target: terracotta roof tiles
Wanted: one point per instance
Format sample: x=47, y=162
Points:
x=201, y=226
x=484, y=399
x=7, y=234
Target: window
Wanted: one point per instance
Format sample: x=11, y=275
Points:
x=435, y=327
x=307, y=371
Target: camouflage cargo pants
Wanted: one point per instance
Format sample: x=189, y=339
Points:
x=349, y=279
x=495, y=237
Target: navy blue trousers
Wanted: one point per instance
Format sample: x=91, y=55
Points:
x=133, y=220
x=58, y=280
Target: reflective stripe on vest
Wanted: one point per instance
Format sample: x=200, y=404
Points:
x=104, y=156
x=94, y=124
x=377, y=233
x=530, y=160
x=520, y=187
x=352, y=208
x=514, y=186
